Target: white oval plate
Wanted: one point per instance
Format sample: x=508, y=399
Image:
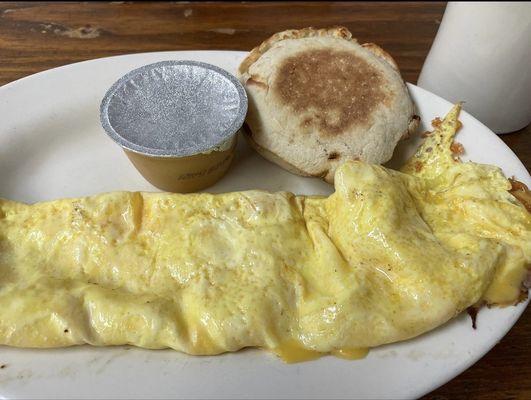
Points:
x=52, y=146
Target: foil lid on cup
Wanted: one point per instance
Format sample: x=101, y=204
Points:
x=174, y=108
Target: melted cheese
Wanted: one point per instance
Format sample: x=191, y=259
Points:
x=292, y=351
x=388, y=256
x=350, y=354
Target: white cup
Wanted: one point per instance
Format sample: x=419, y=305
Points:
x=482, y=56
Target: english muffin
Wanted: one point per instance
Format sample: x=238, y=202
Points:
x=318, y=98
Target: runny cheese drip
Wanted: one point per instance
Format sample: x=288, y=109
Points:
x=388, y=256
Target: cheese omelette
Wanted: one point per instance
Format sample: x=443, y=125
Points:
x=388, y=256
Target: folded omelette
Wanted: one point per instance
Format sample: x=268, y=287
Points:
x=388, y=256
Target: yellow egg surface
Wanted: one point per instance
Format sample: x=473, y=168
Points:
x=388, y=256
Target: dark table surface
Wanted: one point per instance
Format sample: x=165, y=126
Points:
x=38, y=36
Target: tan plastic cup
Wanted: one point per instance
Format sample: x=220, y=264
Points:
x=177, y=122
x=184, y=174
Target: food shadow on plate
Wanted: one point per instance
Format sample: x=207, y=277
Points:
x=250, y=171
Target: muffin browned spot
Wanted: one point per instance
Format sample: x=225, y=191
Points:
x=337, y=89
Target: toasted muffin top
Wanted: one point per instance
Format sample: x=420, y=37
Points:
x=318, y=98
